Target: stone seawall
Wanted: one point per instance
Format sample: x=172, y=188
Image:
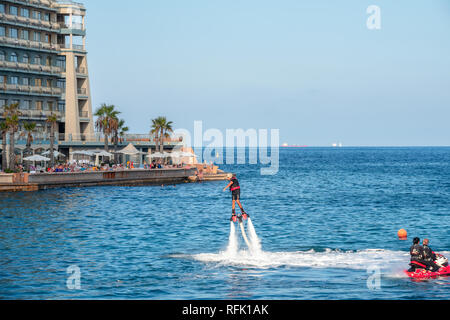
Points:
x=99, y=178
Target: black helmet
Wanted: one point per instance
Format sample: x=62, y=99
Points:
x=416, y=240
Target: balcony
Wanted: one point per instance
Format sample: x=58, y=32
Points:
x=28, y=44
x=77, y=47
x=72, y=26
x=49, y=26
x=84, y=115
x=28, y=67
x=39, y=114
x=82, y=91
x=31, y=90
x=81, y=70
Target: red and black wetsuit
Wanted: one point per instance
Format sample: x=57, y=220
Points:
x=235, y=189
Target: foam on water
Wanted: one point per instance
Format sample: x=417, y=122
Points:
x=362, y=259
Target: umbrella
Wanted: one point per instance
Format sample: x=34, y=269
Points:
x=130, y=149
x=187, y=154
x=175, y=154
x=36, y=157
x=83, y=152
x=55, y=153
x=156, y=155
x=103, y=154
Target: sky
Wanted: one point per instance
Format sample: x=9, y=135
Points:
x=310, y=68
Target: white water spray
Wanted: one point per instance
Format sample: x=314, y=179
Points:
x=232, y=248
x=244, y=235
x=254, y=240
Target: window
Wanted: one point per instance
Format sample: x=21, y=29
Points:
x=37, y=60
x=14, y=80
x=61, y=62
x=37, y=36
x=60, y=84
x=2, y=8
x=47, y=16
x=48, y=61
x=26, y=105
x=13, y=57
x=38, y=82
x=36, y=15
x=47, y=38
x=26, y=81
x=25, y=58
x=24, y=12
x=49, y=83
x=38, y=105
x=2, y=31
x=50, y=105
x=2, y=79
x=25, y=35
x=13, y=10
x=3, y=102
x=2, y=56
x=61, y=107
x=13, y=33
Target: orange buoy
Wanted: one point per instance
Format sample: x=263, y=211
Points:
x=402, y=234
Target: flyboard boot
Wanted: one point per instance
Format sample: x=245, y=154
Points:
x=233, y=216
x=244, y=214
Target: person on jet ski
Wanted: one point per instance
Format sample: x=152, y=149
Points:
x=418, y=255
x=428, y=254
x=416, y=250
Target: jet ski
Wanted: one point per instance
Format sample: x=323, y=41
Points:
x=419, y=271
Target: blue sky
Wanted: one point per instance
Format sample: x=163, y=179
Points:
x=309, y=68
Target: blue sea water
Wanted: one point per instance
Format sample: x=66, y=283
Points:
x=327, y=223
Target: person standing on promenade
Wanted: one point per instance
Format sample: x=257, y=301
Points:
x=235, y=197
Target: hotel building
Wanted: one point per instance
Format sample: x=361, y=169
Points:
x=43, y=67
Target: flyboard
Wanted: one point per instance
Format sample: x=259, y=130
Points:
x=241, y=225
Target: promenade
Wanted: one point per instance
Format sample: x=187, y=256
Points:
x=14, y=182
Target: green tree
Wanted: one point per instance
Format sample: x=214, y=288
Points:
x=160, y=128
x=52, y=120
x=107, y=121
x=119, y=132
x=11, y=114
x=4, y=132
x=29, y=128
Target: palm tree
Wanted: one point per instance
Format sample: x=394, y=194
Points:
x=52, y=120
x=29, y=128
x=119, y=130
x=107, y=121
x=155, y=129
x=4, y=132
x=161, y=128
x=11, y=115
x=123, y=131
x=166, y=127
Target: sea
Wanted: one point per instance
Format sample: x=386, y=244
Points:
x=323, y=228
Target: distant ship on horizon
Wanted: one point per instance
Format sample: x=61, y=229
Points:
x=286, y=145
x=337, y=145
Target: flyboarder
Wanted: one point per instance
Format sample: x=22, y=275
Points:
x=235, y=197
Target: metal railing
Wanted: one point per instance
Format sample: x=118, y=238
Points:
x=31, y=89
x=84, y=114
x=30, y=21
x=81, y=70
x=29, y=44
x=31, y=67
